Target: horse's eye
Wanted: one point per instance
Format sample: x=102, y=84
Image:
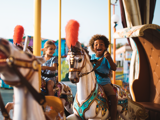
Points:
x=80, y=60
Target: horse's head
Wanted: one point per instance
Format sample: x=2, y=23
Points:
x=76, y=60
x=11, y=55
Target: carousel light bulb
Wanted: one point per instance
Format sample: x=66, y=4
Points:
x=115, y=19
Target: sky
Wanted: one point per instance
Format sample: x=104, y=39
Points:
x=92, y=16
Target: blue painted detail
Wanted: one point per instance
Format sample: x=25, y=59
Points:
x=85, y=105
x=3, y=85
x=122, y=101
x=102, y=99
x=158, y=30
x=115, y=25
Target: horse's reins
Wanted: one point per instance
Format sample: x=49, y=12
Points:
x=83, y=64
x=13, y=64
x=94, y=68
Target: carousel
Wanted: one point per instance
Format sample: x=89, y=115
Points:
x=21, y=69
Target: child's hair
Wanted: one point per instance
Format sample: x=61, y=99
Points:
x=47, y=44
x=98, y=37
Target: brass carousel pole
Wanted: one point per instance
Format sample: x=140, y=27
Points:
x=114, y=51
x=109, y=24
x=59, y=44
x=37, y=34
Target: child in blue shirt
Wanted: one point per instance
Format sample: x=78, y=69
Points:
x=50, y=66
x=99, y=45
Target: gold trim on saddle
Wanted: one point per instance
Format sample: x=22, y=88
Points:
x=101, y=98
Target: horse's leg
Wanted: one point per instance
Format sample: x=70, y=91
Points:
x=62, y=117
x=68, y=108
x=19, y=103
x=73, y=117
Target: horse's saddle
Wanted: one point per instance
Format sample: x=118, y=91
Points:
x=53, y=108
x=61, y=90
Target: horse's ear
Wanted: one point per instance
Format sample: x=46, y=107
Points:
x=40, y=59
x=78, y=44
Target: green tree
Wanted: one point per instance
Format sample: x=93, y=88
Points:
x=119, y=45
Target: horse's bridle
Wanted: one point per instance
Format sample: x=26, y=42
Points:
x=13, y=63
x=76, y=51
x=32, y=65
x=72, y=59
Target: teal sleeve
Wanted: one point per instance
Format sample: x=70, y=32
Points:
x=108, y=65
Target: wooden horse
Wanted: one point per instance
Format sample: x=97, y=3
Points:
x=63, y=91
x=90, y=102
x=15, y=65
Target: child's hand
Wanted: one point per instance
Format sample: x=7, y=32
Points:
x=43, y=67
x=107, y=55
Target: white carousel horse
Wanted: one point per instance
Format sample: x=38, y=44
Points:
x=25, y=105
x=63, y=91
x=90, y=102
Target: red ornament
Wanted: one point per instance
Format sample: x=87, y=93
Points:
x=18, y=34
x=72, y=29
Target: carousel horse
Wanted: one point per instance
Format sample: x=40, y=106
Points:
x=62, y=90
x=90, y=102
x=20, y=69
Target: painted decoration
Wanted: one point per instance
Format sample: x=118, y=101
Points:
x=63, y=45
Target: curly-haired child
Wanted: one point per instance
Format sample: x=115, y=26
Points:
x=99, y=45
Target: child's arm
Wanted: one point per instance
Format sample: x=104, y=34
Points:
x=108, y=57
x=53, y=68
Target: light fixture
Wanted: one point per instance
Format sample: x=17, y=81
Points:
x=114, y=1
x=115, y=19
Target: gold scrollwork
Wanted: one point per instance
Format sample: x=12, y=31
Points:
x=140, y=113
x=35, y=65
x=10, y=60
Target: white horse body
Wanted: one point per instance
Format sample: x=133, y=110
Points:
x=25, y=106
x=85, y=88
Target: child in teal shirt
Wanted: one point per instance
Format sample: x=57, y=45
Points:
x=99, y=45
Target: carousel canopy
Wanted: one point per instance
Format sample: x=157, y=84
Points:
x=134, y=31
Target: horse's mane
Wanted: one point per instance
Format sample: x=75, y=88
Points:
x=29, y=48
x=78, y=44
x=87, y=52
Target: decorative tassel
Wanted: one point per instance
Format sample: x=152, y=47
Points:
x=72, y=29
x=18, y=34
